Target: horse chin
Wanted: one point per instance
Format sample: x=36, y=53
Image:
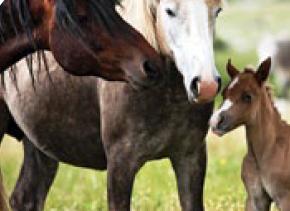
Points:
x=193, y=99
x=218, y=132
x=202, y=101
x=137, y=85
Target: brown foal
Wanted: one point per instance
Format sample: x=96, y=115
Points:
x=266, y=167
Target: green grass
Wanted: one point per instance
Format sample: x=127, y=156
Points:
x=78, y=189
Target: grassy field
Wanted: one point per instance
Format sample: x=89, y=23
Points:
x=155, y=188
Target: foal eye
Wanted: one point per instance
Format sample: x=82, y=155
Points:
x=170, y=12
x=218, y=11
x=247, y=98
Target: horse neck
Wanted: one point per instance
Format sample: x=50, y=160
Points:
x=17, y=38
x=262, y=133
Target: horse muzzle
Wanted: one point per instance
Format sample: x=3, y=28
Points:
x=204, y=91
x=220, y=124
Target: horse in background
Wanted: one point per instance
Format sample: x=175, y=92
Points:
x=86, y=37
x=278, y=48
x=93, y=123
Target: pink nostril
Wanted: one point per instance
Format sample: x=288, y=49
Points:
x=208, y=90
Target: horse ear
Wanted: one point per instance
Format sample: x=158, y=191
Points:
x=232, y=71
x=263, y=71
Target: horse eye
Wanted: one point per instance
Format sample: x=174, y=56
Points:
x=247, y=98
x=170, y=12
x=219, y=10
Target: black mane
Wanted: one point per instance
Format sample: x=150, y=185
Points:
x=101, y=11
x=16, y=18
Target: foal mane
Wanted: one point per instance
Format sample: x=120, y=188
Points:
x=269, y=92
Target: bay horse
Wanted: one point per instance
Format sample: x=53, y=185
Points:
x=86, y=37
x=265, y=169
x=93, y=123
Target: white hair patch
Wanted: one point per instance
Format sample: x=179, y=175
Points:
x=235, y=81
x=214, y=120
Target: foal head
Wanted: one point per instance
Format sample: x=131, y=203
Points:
x=242, y=98
x=87, y=37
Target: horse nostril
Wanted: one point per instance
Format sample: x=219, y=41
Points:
x=222, y=121
x=151, y=70
x=219, y=81
x=194, y=85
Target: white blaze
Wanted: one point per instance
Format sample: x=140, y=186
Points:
x=235, y=81
x=189, y=36
x=214, y=120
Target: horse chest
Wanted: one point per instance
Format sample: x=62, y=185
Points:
x=69, y=120
x=153, y=120
x=276, y=181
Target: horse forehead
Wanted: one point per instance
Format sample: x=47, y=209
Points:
x=233, y=83
x=241, y=82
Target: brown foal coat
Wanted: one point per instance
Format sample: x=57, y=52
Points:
x=266, y=167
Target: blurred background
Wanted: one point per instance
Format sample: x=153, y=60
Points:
x=247, y=31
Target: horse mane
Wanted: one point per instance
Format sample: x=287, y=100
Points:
x=15, y=18
x=38, y=59
x=102, y=11
x=142, y=16
x=269, y=92
x=268, y=89
x=8, y=23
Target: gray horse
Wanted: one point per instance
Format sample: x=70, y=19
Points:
x=93, y=123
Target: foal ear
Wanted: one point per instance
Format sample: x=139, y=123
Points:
x=232, y=71
x=263, y=71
